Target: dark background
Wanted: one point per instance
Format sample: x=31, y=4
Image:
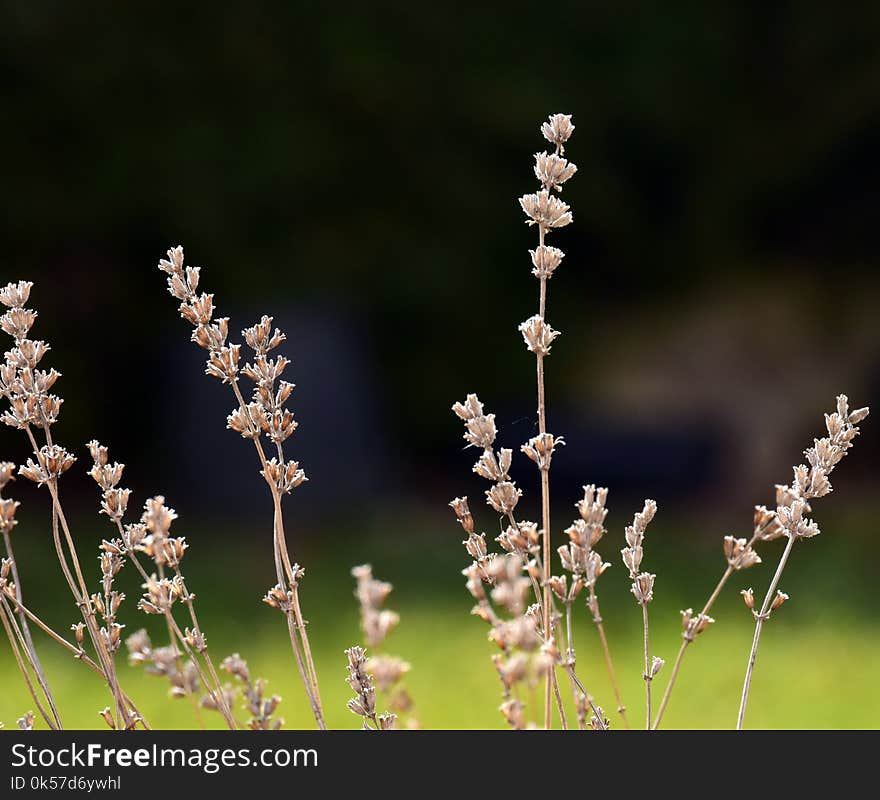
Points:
x=354, y=171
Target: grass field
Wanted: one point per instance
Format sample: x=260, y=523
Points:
x=817, y=667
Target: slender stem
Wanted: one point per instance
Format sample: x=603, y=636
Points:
x=80, y=593
x=686, y=642
x=597, y=620
x=15, y=639
x=759, y=624
x=647, y=667
x=213, y=687
x=296, y=624
x=78, y=653
x=26, y=631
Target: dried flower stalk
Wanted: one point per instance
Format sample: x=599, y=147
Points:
x=264, y=416
x=643, y=590
x=548, y=212
x=810, y=482
x=387, y=671
x=33, y=407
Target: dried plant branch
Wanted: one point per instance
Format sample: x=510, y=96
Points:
x=387, y=671
x=264, y=415
x=810, y=482
x=7, y=523
x=31, y=404
x=643, y=591
x=548, y=213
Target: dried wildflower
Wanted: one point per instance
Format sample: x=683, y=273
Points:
x=514, y=712
x=739, y=554
x=694, y=624
x=364, y=702
x=558, y=129
x=52, y=462
x=463, y=514
x=748, y=596
x=538, y=335
x=260, y=337
x=286, y=476
x=778, y=600
x=280, y=598
x=16, y=294
x=503, y=497
x=545, y=260
x=540, y=449
x=7, y=515
x=26, y=723
x=545, y=209
x=552, y=170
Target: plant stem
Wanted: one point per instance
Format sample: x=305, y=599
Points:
x=296, y=624
x=29, y=642
x=759, y=624
x=686, y=642
x=545, y=483
x=647, y=667
x=16, y=640
x=597, y=621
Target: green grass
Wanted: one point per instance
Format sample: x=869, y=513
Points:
x=816, y=668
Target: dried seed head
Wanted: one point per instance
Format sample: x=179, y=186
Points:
x=545, y=260
x=260, y=337
x=494, y=467
x=480, y=431
x=545, y=209
x=748, y=596
x=115, y=503
x=7, y=515
x=26, y=723
x=249, y=421
x=470, y=409
x=280, y=598
x=286, y=475
x=693, y=625
x=558, y=129
x=552, y=170
x=794, y=523
x=767, y=525
x=16, y=294
x=212, y=337
x=643, y=587
x=780, y=598
x=157, y=517
x=52, y=462
x=198, y=310
x=540, y=449
x=656, y=665
x=78, y=628
x=503, y=497
x=223, y=364
x=514, y=712
x=538, y=335
x=7, y=473
x=463, y=514
x=738, y=553
x=17, y=322
x=386, y=671
x=559, y=586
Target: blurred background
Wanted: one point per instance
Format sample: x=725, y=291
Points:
x=354, y=172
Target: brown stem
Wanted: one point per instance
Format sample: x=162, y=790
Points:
x=29, y=641
x=16, y=640
x=759, y=624
x=597, y=620
x=647, y=667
